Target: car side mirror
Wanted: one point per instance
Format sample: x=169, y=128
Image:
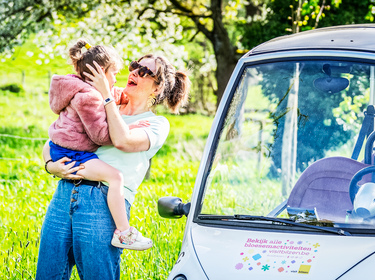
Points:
x=172, y=207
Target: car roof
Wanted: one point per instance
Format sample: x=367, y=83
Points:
x=355, y=37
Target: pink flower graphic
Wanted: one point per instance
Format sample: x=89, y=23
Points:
x=239, y=266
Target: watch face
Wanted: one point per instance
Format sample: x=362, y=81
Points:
x=107, y=100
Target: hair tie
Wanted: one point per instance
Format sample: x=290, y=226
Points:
x=87, y=46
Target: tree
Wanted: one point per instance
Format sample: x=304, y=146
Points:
x=20, y=18
x=223, y=27
x=215, y=19
x=203, y=17
x=209, y=21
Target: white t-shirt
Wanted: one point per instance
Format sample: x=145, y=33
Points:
x=135, y=165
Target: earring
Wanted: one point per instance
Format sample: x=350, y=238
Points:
x=151, y=100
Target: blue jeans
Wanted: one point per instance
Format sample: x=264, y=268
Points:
x=77, y=230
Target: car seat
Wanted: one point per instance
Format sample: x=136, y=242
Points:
x=324, y=185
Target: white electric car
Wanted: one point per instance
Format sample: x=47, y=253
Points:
x=284, y=189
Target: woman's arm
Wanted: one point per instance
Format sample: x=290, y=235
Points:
x=122, y=137
x=58, y=168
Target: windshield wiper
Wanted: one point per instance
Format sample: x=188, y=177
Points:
x=291, y=222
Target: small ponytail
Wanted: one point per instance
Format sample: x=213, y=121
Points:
x=105, y=56
x=178, y=96
x=75, y=52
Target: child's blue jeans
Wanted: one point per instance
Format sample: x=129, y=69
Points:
x=77, y=230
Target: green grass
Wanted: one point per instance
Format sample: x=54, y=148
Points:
x=26, y=188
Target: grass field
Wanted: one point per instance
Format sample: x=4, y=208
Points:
x=26, y=188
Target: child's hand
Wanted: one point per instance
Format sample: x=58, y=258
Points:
x=124, y=99
x=98, y=80
x=139, y=124
x=120, y=97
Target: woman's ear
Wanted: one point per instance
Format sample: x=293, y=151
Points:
x=157, y=89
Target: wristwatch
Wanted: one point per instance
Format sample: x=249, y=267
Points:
x=108, y=100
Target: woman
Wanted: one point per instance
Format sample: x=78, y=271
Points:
x=78, y=226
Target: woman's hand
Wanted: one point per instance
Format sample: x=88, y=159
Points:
x=59, y=169
x=98, y=80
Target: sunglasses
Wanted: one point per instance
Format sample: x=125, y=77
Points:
x=142, y=70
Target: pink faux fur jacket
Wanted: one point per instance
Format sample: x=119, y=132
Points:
x=81, y=124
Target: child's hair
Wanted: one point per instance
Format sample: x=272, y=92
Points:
x=175, y=84
x=105, y=56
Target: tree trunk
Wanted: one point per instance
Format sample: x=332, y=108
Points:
x=225, y=53
x=224, y=71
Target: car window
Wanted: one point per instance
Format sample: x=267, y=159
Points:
x=289, y=136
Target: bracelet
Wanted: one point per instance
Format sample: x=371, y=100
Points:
x=45, y=165
x=108, y=100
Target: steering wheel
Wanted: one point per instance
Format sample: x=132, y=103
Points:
x=353, y=187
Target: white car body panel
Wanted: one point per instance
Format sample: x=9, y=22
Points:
x=220, y=253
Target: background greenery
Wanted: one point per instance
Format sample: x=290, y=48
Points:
x=206, y=36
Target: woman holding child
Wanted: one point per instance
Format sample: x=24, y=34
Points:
x=79, y=225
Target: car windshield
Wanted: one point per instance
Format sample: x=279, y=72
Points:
x=291, y=141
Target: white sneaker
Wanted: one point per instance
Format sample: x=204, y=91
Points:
x=132, y=240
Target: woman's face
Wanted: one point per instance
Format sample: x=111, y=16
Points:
x=141, y=87
x=111, y=75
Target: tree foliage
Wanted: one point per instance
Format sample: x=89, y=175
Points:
x=207, y=36
x=204, y=28
x=20, y=18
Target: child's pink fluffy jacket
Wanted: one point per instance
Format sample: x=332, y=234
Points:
x=82, y=122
